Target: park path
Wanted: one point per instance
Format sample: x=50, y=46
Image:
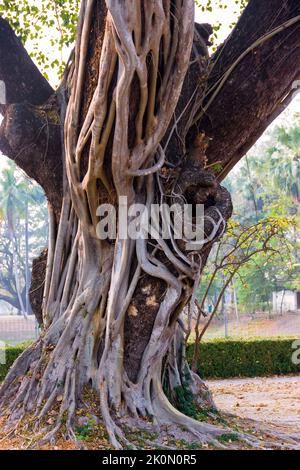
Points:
x=268, y=408
x=271, y=401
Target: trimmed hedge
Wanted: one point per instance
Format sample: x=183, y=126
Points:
x=11, y=354
x=245, y=358
x=223, y=358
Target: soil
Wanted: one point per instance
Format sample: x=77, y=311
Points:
x=265, y=408
x=260, y=325
x=272, y=401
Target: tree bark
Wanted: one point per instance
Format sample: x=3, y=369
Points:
x=111, y=307
x=23, y=80
x=30, y=133
x=252, y=79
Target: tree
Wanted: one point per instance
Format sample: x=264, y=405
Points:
x=21, y=200
x=143, y=112
x=11, y=205
x=255, y=198
x=243, y=248
x=11, y=291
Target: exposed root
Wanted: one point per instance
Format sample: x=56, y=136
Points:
x=90, y=283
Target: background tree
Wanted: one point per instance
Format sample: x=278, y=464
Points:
x=23, y=234
x=10, y=292
x=243, y=253
x=144, y=113
x=255, y=198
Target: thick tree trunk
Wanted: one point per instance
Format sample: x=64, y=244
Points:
x=111, y=307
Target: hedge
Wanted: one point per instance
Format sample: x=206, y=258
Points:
x=223, y=358
x=245, y=358
x=11, y=354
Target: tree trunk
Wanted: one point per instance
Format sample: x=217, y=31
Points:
x=14, y=246
x=111, y=307
x=27, y=272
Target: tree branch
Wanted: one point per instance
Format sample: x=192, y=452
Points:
x=252, y=74
x=11, y=301
x=30, y=133
x=23, y=80
x=31, y=136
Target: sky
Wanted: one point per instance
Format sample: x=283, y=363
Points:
x=224, y=18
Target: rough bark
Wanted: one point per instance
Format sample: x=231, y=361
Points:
x=247, y=90
x=114, y=126
x=24, y=82
x=31, y=128
x=31, y=136
x=36, y=291
x=111, y=308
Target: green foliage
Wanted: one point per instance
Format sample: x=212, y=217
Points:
x=46, y=27
x=218, y=359
x=23, y=216
x=231, y=437
x=217, y=8
x=210, y=5
x=184, y=401
x=85, y=431
x=241, y=358
x=247, y=254
x=266, y=185
x=193, y=446
x=266, y=182
x=216, y=167
x=11, y=353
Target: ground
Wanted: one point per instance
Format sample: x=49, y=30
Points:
x=267, y=408
x=258, y=325
x=257, y=406
x=15, y=329
x=271, y=401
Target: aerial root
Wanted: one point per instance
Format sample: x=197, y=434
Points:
x=169, y=422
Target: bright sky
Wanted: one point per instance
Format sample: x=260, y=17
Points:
x=224, y=18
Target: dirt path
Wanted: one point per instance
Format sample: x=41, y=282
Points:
x=265, y=408
x=273, y=400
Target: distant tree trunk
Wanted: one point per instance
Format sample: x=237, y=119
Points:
x=225, y=316
x=235, y=302
x=131, y=103
x=27, y=272
x=13, y=240
x=282, y=300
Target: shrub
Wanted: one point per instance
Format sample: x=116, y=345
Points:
x=221, y=359
x=245, y=358
x=11, y=354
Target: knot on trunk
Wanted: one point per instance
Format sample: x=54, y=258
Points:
x=198, y=184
